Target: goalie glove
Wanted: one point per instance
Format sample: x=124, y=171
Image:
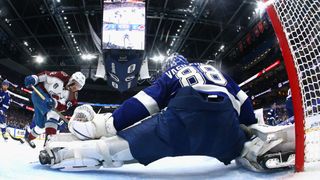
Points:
x=86, y=124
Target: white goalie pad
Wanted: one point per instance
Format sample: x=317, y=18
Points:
x=60, y=140
x=68, y=154
x=78, y=155
x=272, y=133
x=272, y=147
x=77, y=165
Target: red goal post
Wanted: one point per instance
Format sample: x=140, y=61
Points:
x=297, y=26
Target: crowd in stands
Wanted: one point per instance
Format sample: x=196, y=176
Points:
x=18, y=117
x=275, y=115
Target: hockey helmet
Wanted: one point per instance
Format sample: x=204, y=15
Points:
x=77, y=78
x=173, y=60
x=5, y=83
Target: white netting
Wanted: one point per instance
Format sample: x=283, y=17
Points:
x=301, y=22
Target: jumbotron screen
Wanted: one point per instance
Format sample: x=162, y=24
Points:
x=123, y=24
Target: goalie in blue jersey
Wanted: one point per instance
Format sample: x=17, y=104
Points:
x=192, y=109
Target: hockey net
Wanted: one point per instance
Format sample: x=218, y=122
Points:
x=297, y=26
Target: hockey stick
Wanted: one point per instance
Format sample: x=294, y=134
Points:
x=43, y=98
x=14, y=138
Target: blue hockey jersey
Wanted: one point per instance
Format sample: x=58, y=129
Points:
x=289, y=106
x=203, y=78
x=4, y=100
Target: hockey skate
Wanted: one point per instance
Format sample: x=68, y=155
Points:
x=272, y=148
x=4, y=136
x=26, y=138
x=278, y=160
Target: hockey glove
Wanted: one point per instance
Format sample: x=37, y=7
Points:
x=51, y=103
x=86, y=124
x=30, y=80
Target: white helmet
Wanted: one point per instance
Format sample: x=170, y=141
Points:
x=79, y=78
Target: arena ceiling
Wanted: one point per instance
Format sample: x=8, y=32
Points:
x=58, y=29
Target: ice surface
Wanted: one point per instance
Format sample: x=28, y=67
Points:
x=19, y=161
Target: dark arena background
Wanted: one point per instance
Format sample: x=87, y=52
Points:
x=238, y=37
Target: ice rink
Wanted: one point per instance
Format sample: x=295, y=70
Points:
x=19, y=161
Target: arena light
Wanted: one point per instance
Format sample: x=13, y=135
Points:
x=39, y=59
x=25, y=43
x=221, y=48
x=159, y=58
x=88, y=57
x=261, y=6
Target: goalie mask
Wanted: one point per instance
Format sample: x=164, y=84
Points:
x=77, y=79
x=173, y=60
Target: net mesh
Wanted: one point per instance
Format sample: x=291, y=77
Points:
x=300, y=20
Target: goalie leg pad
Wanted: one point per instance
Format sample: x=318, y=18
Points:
x=78, y=164
x=273, y=148
x=79, y=155
x=256, y=147
x=271, y=133
x=250, y=165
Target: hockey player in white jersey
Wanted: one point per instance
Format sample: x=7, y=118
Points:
x=60, y=92
x=204, y=109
